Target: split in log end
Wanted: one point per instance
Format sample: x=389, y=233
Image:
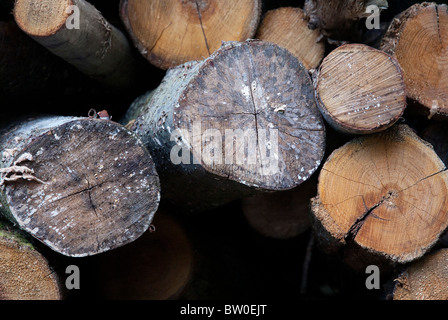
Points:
x=371, y=188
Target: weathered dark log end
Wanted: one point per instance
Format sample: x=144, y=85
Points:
x=83, y=187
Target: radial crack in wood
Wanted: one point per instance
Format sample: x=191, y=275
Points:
x=242, y=121
x=170, y=32
x=374, y=194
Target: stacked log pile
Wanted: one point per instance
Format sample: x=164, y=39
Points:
x=168, y=147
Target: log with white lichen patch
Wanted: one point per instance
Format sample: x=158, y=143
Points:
x=77, y=32
x=171, y=32
x=81, y=186
x=25, y=274
x=240, y=121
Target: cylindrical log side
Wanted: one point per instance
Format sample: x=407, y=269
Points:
x=337, y=18
x=77, y=32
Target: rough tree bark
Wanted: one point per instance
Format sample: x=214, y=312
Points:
x=382, y=199
x=24, y=273
x=95, y=47
x=170, y=32
x=242, y=121
x=81, y=186
x=287, y=27
x=360, y=89
x=418, y=38
x=158, y=266
x=335, y=18
x=426, y=279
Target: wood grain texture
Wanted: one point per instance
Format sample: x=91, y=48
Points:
x=418, y=39
x=170, y=32
x=93, y=187
x=360, y=89
x=426, y=279
x=375, y=195
x=336, y=18
x=243, y=119
x=288, y=27
x=24, y=273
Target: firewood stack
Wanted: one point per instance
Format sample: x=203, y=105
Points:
x=164, y=146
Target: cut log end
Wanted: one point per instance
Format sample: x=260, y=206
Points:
x=426, y=279
x=271, y=132
x=288, y=27
x=371, y=189
x=181, y=31
x=418, y=39
x=39, y=21
x=83, y=187
x=360, y=89
x=337, y=18
x=24, y=272
x=240, y=122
